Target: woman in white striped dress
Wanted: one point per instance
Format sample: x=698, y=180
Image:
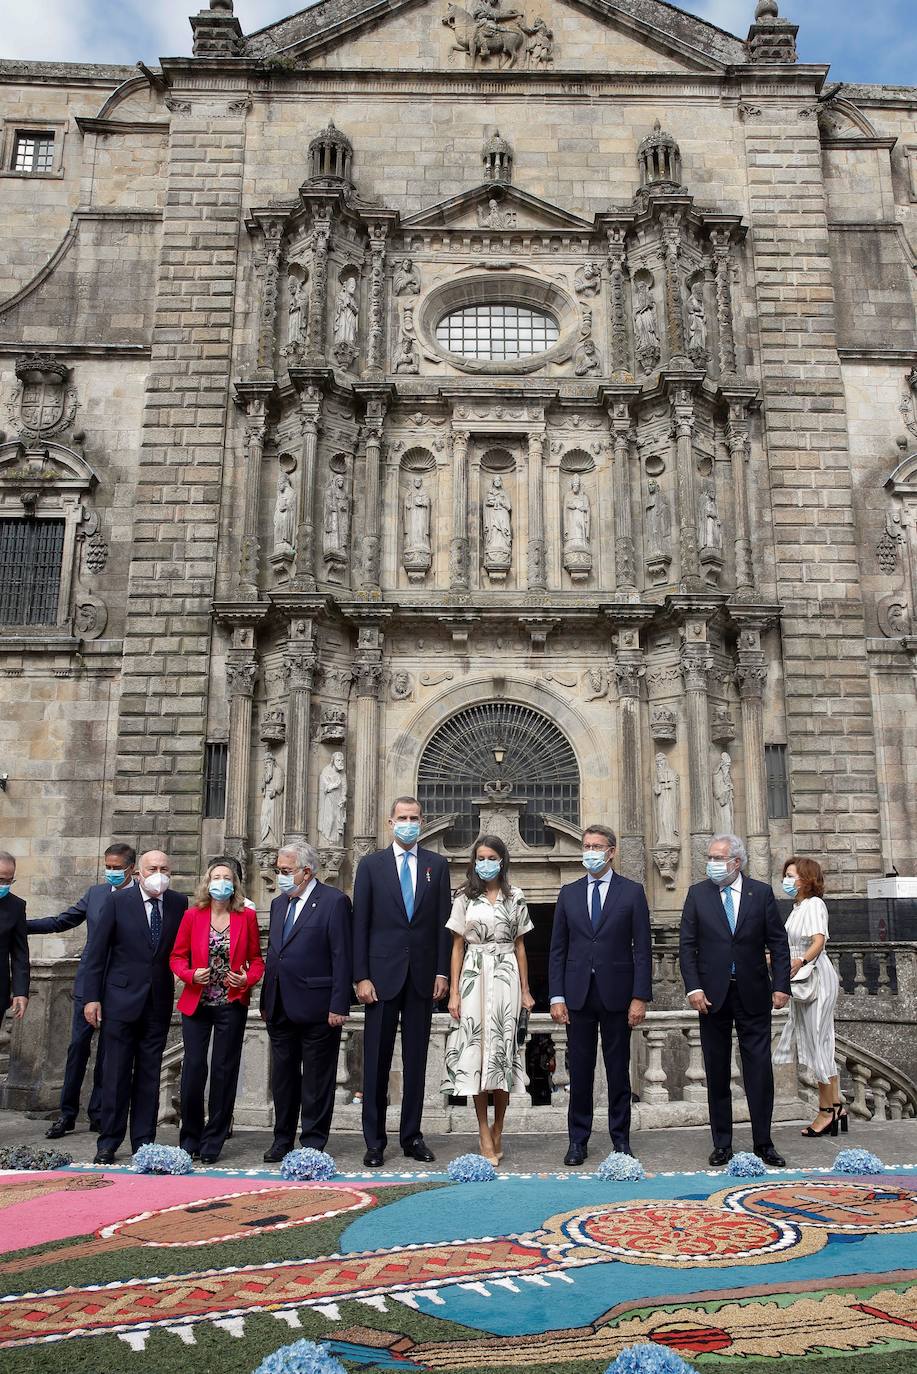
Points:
x=808, y=1035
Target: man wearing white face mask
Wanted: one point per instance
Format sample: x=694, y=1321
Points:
x=129, y=991
x=728, y=925
x=600, y=976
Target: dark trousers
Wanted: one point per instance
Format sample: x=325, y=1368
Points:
x=78, y=1053
x=304, y=1060
x=754, y=1036
x=379, y=1031
x=130, y=1077
x=582, y=1044
x=225, y=1025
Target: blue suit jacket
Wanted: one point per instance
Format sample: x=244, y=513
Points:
x=708, y=949
x=617, y=949
x=14, y=951
x=120, y=966
x=386, y=945
x=314, y=969
x=88, y=908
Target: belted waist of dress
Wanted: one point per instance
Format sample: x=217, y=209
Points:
x=501, y=946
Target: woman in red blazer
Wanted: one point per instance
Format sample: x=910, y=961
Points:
x=217, y=955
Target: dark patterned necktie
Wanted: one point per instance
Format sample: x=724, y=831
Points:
x=155, y=922
x=596, y=911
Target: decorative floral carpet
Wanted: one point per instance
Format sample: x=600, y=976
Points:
x=105, y=1272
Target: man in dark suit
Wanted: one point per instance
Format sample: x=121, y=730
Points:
x=14, y=945
x=305, y=998
x=119, y=876
x=600, y=979
x=728, y=925
x=129, y=991
x=401, y=903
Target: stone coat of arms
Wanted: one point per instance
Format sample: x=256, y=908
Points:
x=43, y=403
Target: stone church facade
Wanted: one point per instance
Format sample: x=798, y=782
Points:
x=516, y=408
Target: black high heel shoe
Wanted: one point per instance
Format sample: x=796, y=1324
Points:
x=842, y=1116
x=829, y=1129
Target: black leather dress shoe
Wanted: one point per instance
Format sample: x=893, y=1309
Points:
x=58, y=1128
x=208, y=1159
x=104, y=1157
x=419, y=1149
x=771, y=1157
x=576, y=1155
x=276, y=1153
x=374, y=1159
x=720, y=1156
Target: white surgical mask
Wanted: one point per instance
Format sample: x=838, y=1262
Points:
x=487, y=869
x=717, y=870
x=790, y=887
x=594, y=862
x=156, y=884
x=115, y=877
x=408, y=832
x=286, y=882
x=221, y=889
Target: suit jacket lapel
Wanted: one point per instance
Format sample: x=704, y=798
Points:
x=275, y=924
x=135, y=896
x=306, y=912
x=743, y=902
x=611, y=897
x=422, y=887
x=393, y=869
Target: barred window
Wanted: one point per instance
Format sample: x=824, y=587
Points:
x=778, y=782
x=215, y=781
x=499, y=747
x=497, y=332
x=31, y=554
x=33, y=153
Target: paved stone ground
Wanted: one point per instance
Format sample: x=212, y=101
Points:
x=681, y=1148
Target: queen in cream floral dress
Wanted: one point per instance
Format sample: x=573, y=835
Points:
x=481, y=1051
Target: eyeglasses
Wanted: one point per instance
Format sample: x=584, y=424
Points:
x=596, y=848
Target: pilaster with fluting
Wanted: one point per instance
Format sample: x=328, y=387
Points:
x=241, y=676
x=372, y=510
x=367, y=668
x=696, y=662
x=751, y=677
x=300, y=665
x=310, y=411
x=629, y=670
x=458, y=549
x=537, y=572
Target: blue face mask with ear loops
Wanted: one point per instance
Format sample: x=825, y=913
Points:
x=487, y=869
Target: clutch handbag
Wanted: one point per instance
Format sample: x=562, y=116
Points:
x=804, y=984
x=522, y=1027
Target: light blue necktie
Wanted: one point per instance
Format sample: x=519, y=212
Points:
x=596, y=910
x=729, y=904
x=407, y=887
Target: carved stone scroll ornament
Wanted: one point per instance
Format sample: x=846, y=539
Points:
x=890, y=545
x=417, y=517
x=332, y=801
x=273, y=784
x=498, y=531
x=588, y=280
x=90, y=617
x=336, y=526
x=724, y=795
x=577, y=531
x=241, y=677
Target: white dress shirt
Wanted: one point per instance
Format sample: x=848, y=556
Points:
x=735, y=887
x=411, y=856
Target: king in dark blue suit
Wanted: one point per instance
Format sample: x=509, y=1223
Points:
x=600, y=977
x=401, y=903
x=305, y=998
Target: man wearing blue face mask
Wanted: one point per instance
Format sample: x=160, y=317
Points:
x=600, y=976
x=401, y=903
x=14, y=944
x=728, y=926
x=119, y=876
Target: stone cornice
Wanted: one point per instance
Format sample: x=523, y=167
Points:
x=121, y=126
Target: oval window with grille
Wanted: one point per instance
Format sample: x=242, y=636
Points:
x=497, y=333
x=499, y=743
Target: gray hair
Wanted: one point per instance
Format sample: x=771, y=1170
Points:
x=737, y=848
x=306, y=856
x=6, y=858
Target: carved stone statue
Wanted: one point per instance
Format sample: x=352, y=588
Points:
x=588, y=279
x=332, y=800
x=577, y=530
x=539, y=50
x=713, y=527
x=335, y=522
x=495, y=218
x=346, y=321
x=417, y=514
x=272, y=788
x=405, y=281
x=284, y=517
x=724, y=794
x=296, y=319
x=586, y=361
x=658, y=521
x=646, y=328
x=406, y=359
x=498, y=529
x=666, y=787
x=697, y=323
x=402, y=686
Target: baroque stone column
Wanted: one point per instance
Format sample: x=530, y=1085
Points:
x=254, y=398
x=630, y=668
x=674, y=311
x=318, y=287
x=625, y=553
x=738, y=440
x=300, y=665
x=683, y=422
x=272, y=231
x=721, y=239
x=372, y=507
x=310, y=411
x=537, y=573
x=241, y=676
x=695, y=666
x=375, y=348
x=458, y=550
x=367, y=667
x=617, y=261
x=751, y=676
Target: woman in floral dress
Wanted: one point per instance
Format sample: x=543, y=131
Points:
x=489, y=986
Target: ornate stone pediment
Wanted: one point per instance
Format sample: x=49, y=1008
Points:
x=44, y=467
x=500, y=208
